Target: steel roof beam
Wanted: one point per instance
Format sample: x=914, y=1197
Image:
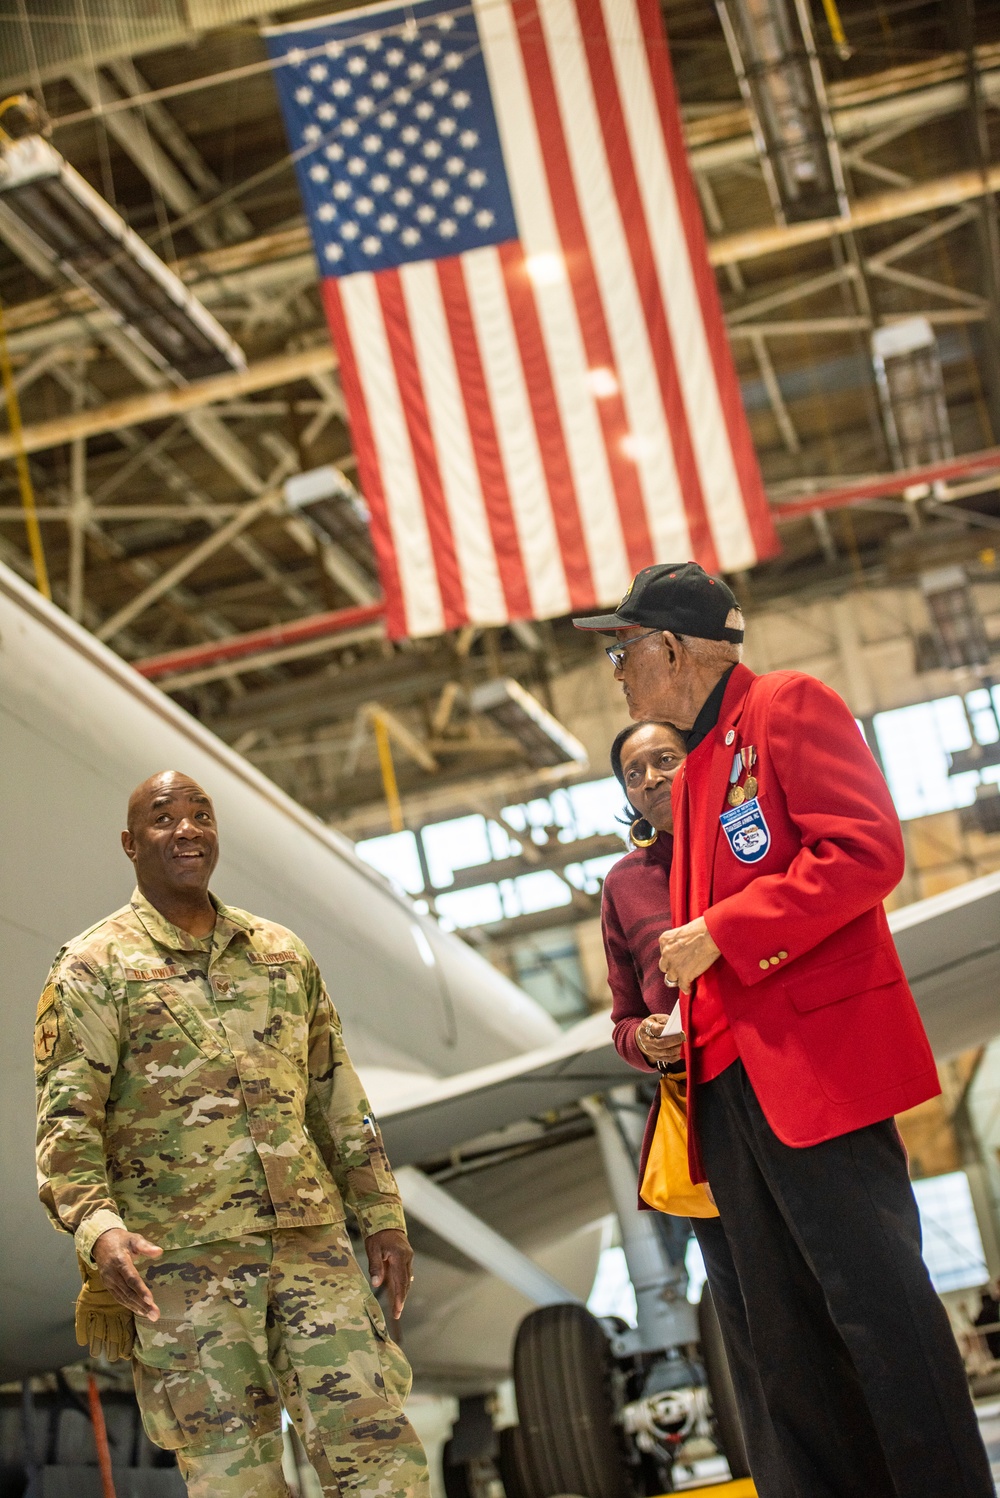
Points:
x=137, y=143
x=231, y=217
x=880, y=208
x=156, y=405
x=188, y=564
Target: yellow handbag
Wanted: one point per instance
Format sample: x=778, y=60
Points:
x=666, y=1181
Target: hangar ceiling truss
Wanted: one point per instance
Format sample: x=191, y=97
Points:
x=164, y=513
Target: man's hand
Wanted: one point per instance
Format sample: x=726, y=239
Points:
x=390, y=1259
x=686, y=953
x=114, y=1253
x=655, y=1046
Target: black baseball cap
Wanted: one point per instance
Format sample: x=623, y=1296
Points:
x=679, y=596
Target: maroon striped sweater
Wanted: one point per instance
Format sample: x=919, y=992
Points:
x=635, y=909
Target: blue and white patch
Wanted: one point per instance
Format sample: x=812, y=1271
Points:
x=747, y=833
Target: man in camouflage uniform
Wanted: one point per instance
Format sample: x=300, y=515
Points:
x=197, y=1107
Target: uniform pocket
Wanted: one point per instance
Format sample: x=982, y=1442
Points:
x=287, y=1027
x=169, y=1038
x=397, y=1376
x=175, y=1398
x=190, y=1021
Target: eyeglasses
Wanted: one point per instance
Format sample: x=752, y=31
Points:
x=616, y=653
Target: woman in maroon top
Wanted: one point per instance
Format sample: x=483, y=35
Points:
x=635, y=909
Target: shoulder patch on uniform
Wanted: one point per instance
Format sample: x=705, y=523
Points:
x=46, y=1025
x=149, y=974
x=273, y=959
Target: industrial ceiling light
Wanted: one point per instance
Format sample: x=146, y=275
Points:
x=984, y=813
x=73, y=229
x=910, y=383
x=328, y=501
x=956, y=623
x=774, y=58
x=515, y=712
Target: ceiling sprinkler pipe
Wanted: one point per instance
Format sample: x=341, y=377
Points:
x=258, y=641
x=886, y=485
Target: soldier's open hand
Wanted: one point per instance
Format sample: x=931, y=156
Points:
x=390, y=1262
x=114, y=1254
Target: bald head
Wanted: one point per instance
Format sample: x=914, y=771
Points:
x=173, y=841
x=165, y=784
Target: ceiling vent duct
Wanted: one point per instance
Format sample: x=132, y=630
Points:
x=516, y=713
x=72, y=228
x=956, y=623
x=773, y=52
x=910, y=383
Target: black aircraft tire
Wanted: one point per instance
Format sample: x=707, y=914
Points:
x=512, y=1462
x=720, y=1384
x=567, y=1439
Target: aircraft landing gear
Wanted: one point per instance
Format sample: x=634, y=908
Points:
x=605, y=1409
x=599, y=1426
x=568, y=1441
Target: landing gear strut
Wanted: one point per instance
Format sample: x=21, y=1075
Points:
x=604, y=1408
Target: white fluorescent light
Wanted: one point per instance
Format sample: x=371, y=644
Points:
x=542, y=737
x=78, y=233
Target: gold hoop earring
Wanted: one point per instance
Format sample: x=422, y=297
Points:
x=642, y=842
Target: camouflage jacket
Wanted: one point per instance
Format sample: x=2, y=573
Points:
x=196, y=1090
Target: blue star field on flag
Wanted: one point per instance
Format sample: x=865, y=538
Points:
x=401, y=158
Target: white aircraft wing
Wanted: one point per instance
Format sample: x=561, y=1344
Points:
x=949, y=945
x=430, y=1116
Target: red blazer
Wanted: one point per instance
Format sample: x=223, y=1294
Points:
x=821, y=1014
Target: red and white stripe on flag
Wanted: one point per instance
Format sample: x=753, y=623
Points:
x=537, y=420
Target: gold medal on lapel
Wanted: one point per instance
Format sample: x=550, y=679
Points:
x=737, y=795
x=750, y=787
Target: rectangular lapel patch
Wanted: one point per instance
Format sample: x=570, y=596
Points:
x=273, y=959
x=149, y=974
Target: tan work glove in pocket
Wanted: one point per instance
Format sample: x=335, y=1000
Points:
x=102, y=1324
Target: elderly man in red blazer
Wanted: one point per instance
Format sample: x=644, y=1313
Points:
x=802, y=1040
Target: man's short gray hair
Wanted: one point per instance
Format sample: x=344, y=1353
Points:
x=716, y=653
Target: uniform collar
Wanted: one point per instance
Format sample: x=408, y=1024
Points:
x=165, y=934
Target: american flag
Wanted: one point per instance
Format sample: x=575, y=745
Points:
x=540, y=390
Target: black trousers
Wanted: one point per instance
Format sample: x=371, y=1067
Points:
x=767, y=1462
x=859, y=1369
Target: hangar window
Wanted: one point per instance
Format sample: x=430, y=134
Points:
x=953, y=1249
x=917, y=745
x=395, y=856
x=547, y=965
x=585, y=810
x=487, y=903
x=426, y=862
x=463, y=843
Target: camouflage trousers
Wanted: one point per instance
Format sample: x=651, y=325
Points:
x=284, y=1318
